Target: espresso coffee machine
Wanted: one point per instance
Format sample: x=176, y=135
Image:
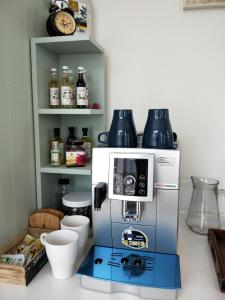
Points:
x=135, y=223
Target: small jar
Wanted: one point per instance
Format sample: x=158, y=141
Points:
x=55, y=154
x=77, y=203
x=75, y=154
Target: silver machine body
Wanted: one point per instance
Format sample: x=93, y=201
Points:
x=140, y=210
x=135, y=223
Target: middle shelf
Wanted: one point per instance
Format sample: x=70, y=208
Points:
x=75, y=111
x=65, y=170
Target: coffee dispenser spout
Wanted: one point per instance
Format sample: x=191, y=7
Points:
x=131, y=211
x=99, y=195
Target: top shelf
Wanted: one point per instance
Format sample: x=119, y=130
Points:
x=77, y=44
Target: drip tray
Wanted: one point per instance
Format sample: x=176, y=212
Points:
x=147, y=269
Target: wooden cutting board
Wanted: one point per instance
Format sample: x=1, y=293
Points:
x=216, y=239
x=52, y=211
x=45, y=219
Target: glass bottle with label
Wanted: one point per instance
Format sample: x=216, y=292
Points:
x=72, y=88
x=55, y=154
x=71, y=137
x=87, y=145
x=58, y=139
x=54, y=92
x=65, y=89
x=81, y=89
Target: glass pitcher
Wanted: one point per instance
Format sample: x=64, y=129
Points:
x=203, y=212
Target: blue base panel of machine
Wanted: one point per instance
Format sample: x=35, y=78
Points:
x=142, y=268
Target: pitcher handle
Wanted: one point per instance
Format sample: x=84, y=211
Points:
x=42, y=237
x=106, y=134
x=221, y=191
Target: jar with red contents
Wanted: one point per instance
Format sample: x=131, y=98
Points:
x=75, y=154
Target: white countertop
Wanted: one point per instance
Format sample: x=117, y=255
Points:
x=198, y=277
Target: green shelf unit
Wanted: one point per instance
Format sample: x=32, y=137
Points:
x=74, y=51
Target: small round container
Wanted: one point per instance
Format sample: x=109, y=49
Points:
x=77, y=203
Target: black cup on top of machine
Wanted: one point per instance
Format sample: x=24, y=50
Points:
x=122, y=131
x=158, y=132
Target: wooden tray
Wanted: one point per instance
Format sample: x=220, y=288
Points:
x=17, y=274
x=216, y=238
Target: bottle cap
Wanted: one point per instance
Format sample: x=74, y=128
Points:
x=64, y=181
x=85, y=131
x=81, y=70
x=57, y=131
x=65, y=67
x=71, y=129
x=53, y=69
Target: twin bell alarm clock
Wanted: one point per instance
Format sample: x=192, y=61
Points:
x=60, y=21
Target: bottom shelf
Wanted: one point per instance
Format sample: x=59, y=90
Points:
x=49, y=189
x=65, y=170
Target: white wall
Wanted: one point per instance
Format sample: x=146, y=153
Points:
x=19, y=20
x=159, y=56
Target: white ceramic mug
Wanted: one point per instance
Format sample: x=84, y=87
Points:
x=79, y=224
x=61, y=248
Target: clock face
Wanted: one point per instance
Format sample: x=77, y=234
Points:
x=64, y=22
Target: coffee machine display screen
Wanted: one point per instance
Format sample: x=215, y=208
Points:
x=130, y=177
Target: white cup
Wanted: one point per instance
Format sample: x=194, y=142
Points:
x=79, y=224
x=61, y=248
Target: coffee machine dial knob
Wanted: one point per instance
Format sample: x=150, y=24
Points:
x=129, y=180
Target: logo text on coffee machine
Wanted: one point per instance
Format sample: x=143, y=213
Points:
x=167, y=186
x=134, y=238
x=166, y=161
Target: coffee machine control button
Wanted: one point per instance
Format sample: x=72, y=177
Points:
x=142, y=185
x=124, y=260
x=129, y=191
x=129, y=181
x=141, y=192
x=142, y=177
x=98, y=261
x=138, y=262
